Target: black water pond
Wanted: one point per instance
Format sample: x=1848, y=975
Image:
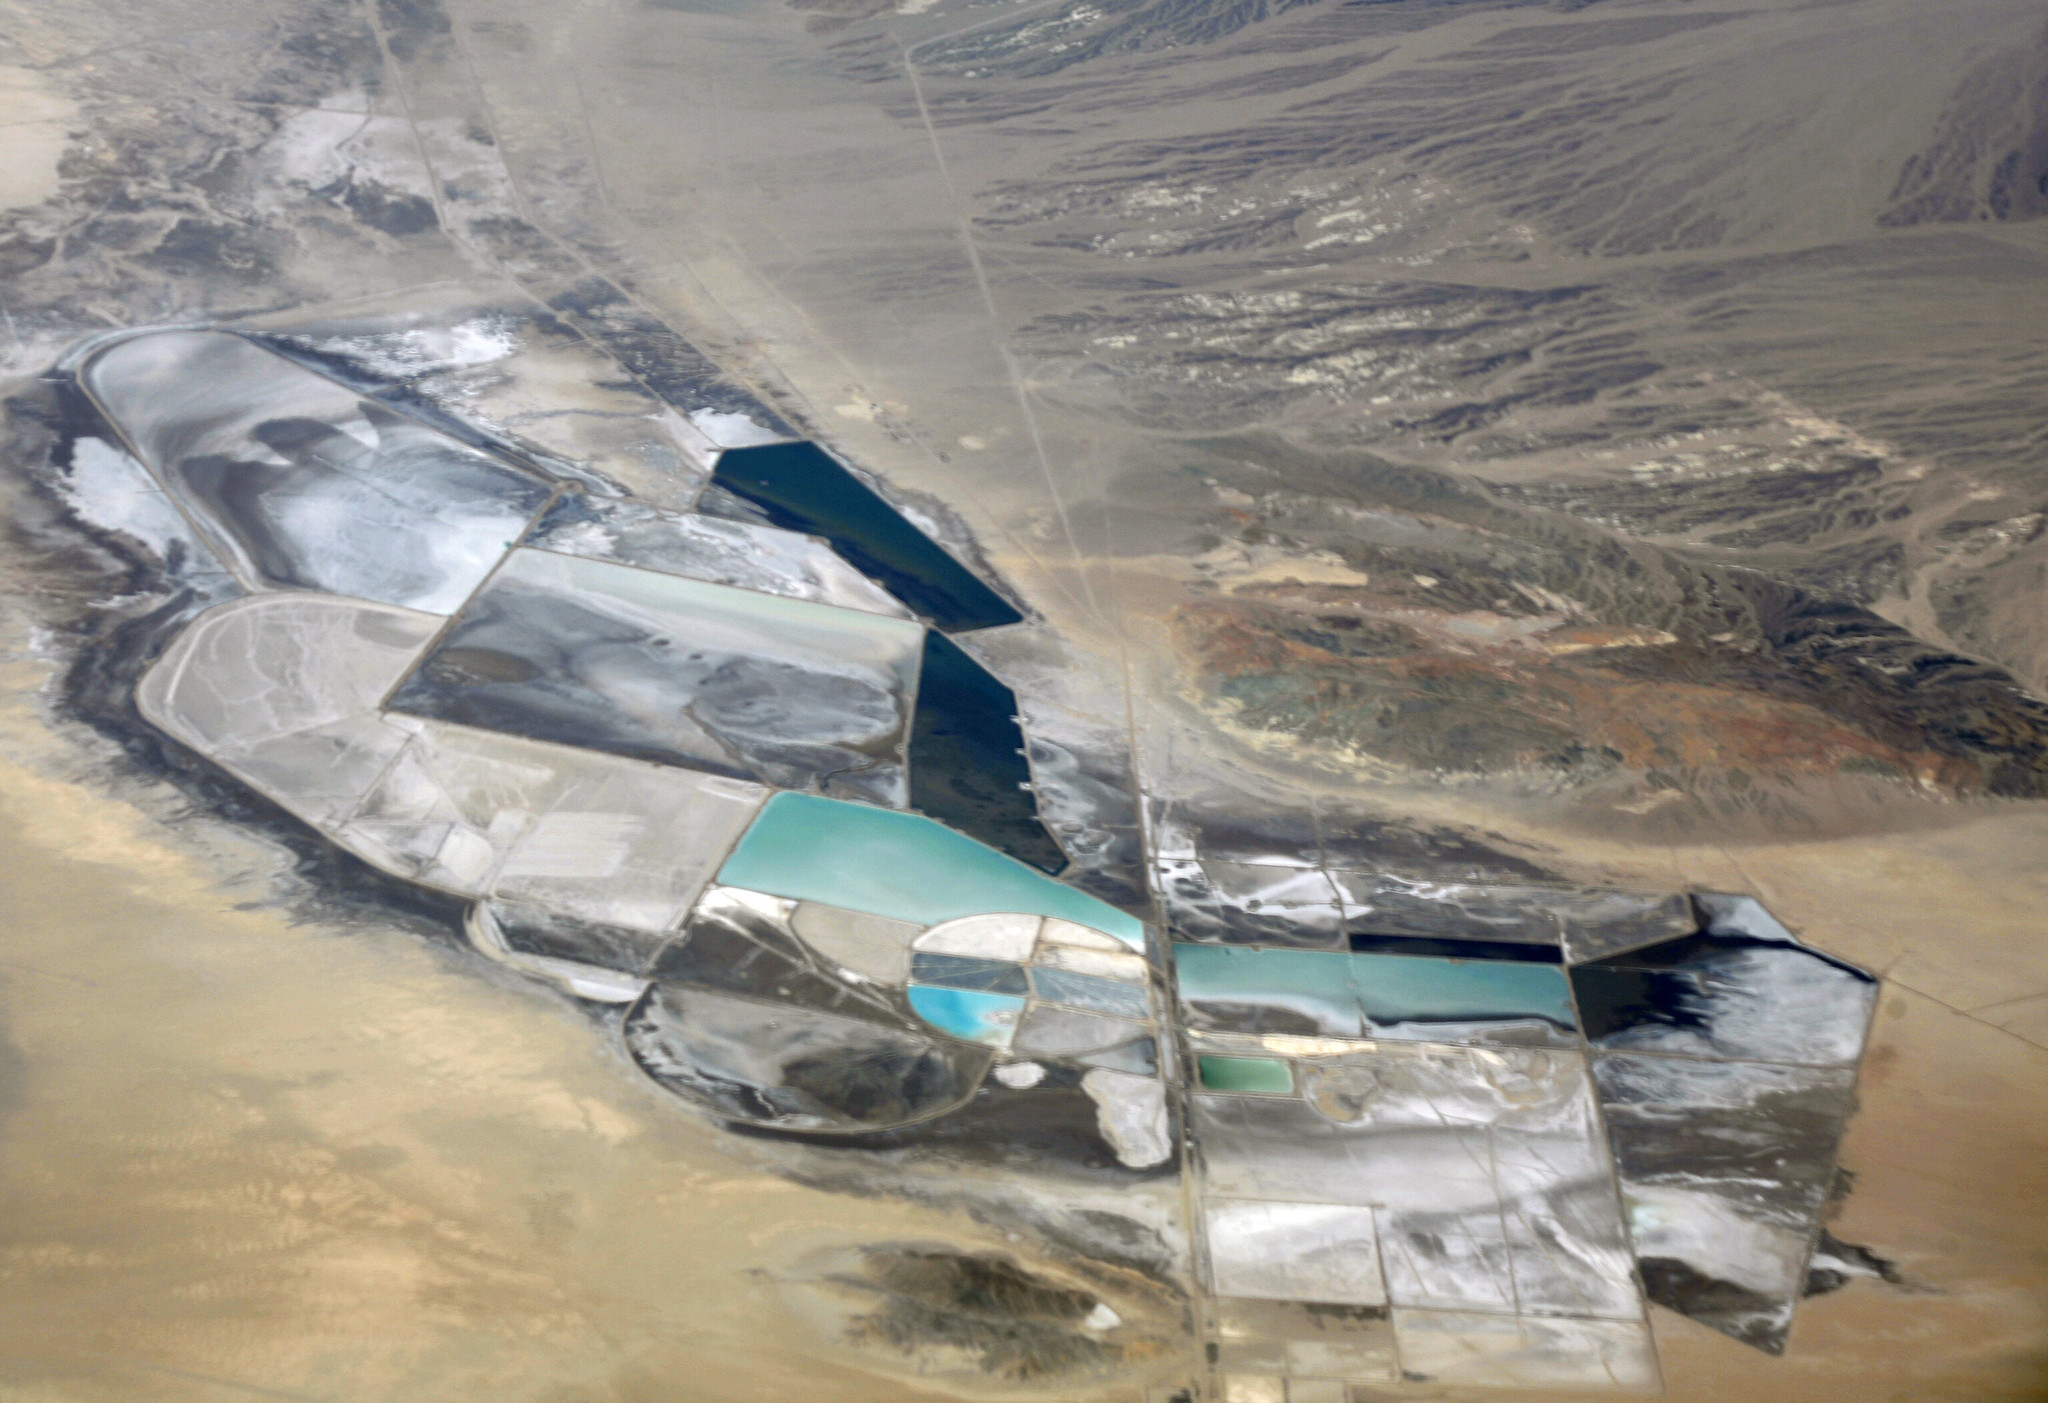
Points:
x=800, y=488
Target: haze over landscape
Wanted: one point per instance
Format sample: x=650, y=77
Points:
x=1475, y=458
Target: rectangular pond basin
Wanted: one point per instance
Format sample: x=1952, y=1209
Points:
x=1239, y=989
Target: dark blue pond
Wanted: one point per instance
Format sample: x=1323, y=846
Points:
x=800, y=488
x=967, y=765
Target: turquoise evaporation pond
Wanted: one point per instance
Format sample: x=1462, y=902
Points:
x=899, y=865
x=1389, y=988
x=968, y=1014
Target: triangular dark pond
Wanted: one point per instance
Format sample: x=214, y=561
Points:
x=799, y=487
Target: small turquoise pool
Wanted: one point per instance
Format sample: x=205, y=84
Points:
x=968, y=1014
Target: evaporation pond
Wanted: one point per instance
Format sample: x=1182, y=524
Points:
x=656, y=667
x=967, y=763
x=1388, y=988
x=968, y=1014
x=301, y=483
x=899, y=865
x=1261, y=1074
x=803, y=489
